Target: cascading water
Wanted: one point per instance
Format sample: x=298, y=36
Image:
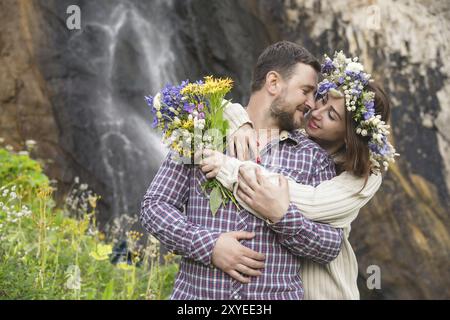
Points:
x=127, y=55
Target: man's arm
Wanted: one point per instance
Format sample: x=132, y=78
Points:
x=316, y=241
x=161, y=214
x=303, y=237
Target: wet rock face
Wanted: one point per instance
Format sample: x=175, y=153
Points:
x=80, y=95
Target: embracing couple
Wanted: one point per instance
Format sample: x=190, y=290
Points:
x=309, y=156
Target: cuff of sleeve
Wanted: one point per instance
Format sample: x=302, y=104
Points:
x=290, y=224
x=228, y=173
x=203, y=246
x=236, y=115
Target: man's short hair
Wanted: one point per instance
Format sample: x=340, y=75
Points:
x=281, y=57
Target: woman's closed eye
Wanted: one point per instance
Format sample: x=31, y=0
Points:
x=330, y=115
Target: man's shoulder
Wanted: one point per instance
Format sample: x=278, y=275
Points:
x=304, y=143
x=315, y=157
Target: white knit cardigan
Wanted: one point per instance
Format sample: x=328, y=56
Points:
x=336, y=202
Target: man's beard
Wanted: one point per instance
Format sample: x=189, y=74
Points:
x=284, y=119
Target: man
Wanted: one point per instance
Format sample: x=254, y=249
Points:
x=234, y=255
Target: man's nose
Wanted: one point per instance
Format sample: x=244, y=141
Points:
x=311, y=103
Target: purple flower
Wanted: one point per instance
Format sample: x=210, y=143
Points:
x=382, y=149
x=325, y=86
x=149, y=100
x=188, y=107
x=169, y=97
x=327, y=66
x=155, y=122
x=370, y=110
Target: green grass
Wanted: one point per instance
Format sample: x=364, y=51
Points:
x=48, y=252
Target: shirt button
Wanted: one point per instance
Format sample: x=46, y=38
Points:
x=237, y=297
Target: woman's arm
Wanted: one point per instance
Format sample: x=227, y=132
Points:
x=336, y=201
x=242, y=138
x=236, y=116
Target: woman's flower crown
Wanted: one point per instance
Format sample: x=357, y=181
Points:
x=346, y=78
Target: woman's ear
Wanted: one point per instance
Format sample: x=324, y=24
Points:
x=273, y=85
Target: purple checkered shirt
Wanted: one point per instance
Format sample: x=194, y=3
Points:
x=176, y=211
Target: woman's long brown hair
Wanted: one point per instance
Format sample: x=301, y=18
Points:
x=356, y=149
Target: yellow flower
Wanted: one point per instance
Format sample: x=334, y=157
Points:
x=176, y=147
x=134, y=235
x=44, y=192
x=93, y=201
x=187, y=124
x=217, y=86
x=210, y=86
x=170, y=257
x=101, y=252
x=192, y=89
x=125, y=266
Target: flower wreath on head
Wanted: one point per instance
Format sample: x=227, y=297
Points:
x=346, y=78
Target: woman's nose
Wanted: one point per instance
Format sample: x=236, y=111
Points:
x=316, y=113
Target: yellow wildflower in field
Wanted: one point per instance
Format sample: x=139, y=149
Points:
x=125, y=266
x=44, y=192
x=134, y=235
x=93, y=201
x=169, y=257
x=102, y=252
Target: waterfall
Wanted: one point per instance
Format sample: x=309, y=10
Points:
x=133, y=57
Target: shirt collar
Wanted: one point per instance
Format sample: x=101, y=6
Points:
x=294, y=135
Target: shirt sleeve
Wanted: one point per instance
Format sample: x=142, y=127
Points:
x=303, y=237
x=162, y=214
x=323, y=168
x=316, y=241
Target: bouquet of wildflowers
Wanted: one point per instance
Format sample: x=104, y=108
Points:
x=190, y=116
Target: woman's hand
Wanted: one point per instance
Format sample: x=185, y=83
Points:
x=270, y=200
x=212, y=162
x=243, y=142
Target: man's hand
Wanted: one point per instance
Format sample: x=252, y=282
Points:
x=233, y=258
x=243, y=142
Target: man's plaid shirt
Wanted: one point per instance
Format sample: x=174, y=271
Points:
x=176, y=211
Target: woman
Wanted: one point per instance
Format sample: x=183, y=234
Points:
x=348, y=123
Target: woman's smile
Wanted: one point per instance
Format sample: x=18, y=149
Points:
x=312, y=124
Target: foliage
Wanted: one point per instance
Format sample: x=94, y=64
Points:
x=49, y=253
